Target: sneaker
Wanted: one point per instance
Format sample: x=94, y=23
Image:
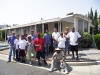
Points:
x=50, y=70
x=77, y=58
x=45, y=62
x=39, y=64
x=73, y=57
x=8, y=61
x=30, y=62
x=66, y=71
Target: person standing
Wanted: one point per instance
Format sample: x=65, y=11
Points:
x=47, y=39
x=11, y=40
x=61, y=43
x=22, y=48
x=30, y=48
x=74, y=39
x=33, y=36
x=16, y=47
x=67, y=45
x=55, y=36
x=39, y=46
x=25, y=35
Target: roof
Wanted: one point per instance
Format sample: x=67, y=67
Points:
x=45, y=21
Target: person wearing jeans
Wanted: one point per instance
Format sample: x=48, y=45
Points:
x=11, y=40
x=47, y=39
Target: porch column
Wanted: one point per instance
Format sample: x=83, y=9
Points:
x=9, y=33
x=35, y=29
x=89, y=24
x=60, y=26
x=15, y=31
x=5, y=34
x=30, y=27
x=83, y=26
x=76, y=23
x=42, y=28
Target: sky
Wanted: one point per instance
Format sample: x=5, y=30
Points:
x=27, y=11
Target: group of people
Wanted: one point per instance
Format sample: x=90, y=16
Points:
x=62, y=43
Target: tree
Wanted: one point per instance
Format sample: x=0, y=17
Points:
x=8, y=25
x=70, y=13
x=99, y=19
x=91, y=15
x=88, y=15
x=95, y=22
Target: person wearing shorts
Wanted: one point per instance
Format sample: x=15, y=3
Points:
x=22, y=48
x=74, y=38
x=39, y=46
x=61, y=43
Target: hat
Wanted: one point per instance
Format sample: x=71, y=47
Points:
x=32, y=30
x=57, y=49
x=28, y=36
x=67, y=27
x=38, y=33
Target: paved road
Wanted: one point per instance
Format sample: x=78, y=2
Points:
x=20, y=69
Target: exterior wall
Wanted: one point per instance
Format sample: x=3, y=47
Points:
x=69, y=19
x=51, y=27
x=66, y=24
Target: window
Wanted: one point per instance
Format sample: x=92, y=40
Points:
x=56, y=26
x=80, y=26
x=45, y=27
x=85, y=26
x=39, y=28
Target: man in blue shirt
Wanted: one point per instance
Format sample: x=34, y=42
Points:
x=47, y=39
x=11, y=40
x=33, y=36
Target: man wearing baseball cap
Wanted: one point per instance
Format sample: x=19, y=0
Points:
x=39, y=46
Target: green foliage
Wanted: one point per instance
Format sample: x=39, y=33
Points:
x=97, y=40
x=94, y=18
x=99, y=19
x=1, y=38
x=3, y=34
x=42, y=34
x=85, y=40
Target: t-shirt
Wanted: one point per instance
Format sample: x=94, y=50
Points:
x=61, y=41
x=58, y=56
x=39, y=42
x=22, y=44
x=73, y=36
x=47, y=38
x=16, y=42
x=30, y=46
x=55, y=35
x=11, y=40
x=25, y=36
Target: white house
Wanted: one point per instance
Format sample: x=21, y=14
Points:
x=80, y=22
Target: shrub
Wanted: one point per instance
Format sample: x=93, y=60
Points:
x=85, y=40
x=1, y=38
x=97, y=40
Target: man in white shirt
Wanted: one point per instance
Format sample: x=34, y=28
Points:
x=55, y=36
x=74, y=38
x=16, y=47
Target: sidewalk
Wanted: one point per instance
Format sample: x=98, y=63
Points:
x=86, y=57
